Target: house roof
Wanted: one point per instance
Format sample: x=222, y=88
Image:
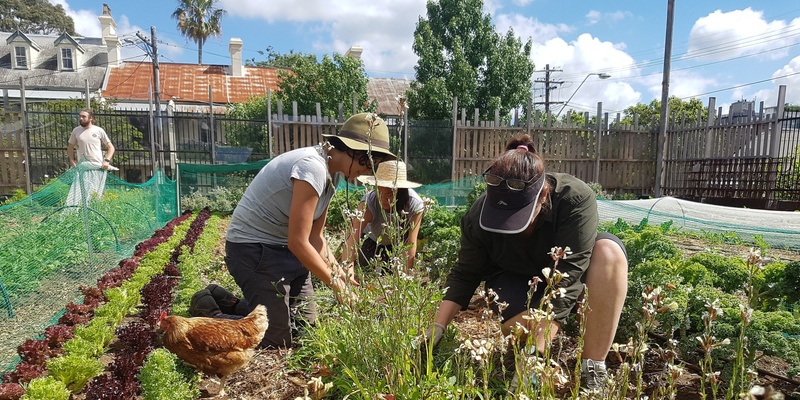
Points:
x=65, y=37
x=44, y=73
x=19, y=34
x=188, y=83
x=386, y=91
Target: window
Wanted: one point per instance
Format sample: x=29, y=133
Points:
x=21, y=57
x=66, y=59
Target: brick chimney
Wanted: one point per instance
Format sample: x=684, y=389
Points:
x=235, y=48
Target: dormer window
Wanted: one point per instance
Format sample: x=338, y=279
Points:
x=69, y=52
x=24, y=50
x=20, y=57
x=66, y=59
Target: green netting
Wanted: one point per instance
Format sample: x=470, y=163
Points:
x=220, y=186
x=779, y=229
x=66, y=235
x=207, y=183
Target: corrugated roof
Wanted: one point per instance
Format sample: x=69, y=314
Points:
x=386, y=91
x=189, y=82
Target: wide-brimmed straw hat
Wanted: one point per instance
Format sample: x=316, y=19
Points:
x=356, y=134
x=390, y=174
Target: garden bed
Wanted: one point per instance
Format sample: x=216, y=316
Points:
x=279, y=374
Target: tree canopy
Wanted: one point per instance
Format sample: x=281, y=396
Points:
x=461, y=54
x=651, y=113
x=334, y=80
x=35, y=17
x=197, y=20
x=278, y=60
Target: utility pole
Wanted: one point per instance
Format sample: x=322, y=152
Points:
x=548, y=85
x=153, y=53
x=662, y=126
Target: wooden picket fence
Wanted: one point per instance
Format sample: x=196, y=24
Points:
x=621, y=158
x=12, y=152
x=293, y=132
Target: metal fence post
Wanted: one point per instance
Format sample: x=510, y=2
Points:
x=598, y=141
x=211, y=129
x=28, y=159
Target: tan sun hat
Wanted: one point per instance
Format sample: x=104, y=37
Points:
x=391, y=174
x=355, y=134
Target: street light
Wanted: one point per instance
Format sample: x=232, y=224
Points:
x=601, y=75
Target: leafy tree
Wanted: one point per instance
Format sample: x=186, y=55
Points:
x=791, y=108
x=461, y=54
x=278, y=60
x=332, y=81
x=35, y=16
x=651, y=113
x=197, y=20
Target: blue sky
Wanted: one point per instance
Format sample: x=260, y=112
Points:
x=731, y=50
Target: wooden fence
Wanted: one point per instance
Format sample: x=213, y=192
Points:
x=620, y=158
x=12, y=153
x=293, y=132
x=752, y=160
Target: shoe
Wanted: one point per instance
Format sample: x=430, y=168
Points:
x=203, y=305
x=225, y=299
x=593, y=375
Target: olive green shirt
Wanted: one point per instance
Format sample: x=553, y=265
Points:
x=569, y=219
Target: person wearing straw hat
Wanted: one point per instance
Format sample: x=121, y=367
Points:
x=393, y=203
x=508, y=240
x=275, y=239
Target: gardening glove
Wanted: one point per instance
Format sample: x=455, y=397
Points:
x=436, y=330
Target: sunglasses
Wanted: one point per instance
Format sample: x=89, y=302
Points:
x=513, y=184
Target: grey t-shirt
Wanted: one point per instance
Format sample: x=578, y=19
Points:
x=375, y=227
x=262, y=215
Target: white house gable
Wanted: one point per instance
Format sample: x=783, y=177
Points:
x=24, y=51
x=69, y=53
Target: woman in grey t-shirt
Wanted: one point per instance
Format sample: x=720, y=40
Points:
x=275, y=239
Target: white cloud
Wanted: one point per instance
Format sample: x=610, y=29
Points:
x=788, y=75
x=526, y=27
x=593, y=17
x=86, y=22
x=682, y=84
x=383, y=29
x=522, y=3
x=582, y=57
x=723, y=35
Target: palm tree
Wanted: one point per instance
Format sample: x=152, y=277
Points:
x=197, y=20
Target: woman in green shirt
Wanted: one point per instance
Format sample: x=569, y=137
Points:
x=506, y=240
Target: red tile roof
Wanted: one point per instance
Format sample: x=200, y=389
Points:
x=189, y=82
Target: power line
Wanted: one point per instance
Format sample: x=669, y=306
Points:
x=548, y=86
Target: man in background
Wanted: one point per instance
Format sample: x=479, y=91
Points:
x=90, y=179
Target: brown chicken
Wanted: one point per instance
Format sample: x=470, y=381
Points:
x=215, y=346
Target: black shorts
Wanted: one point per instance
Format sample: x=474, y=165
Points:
x=513, y=289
